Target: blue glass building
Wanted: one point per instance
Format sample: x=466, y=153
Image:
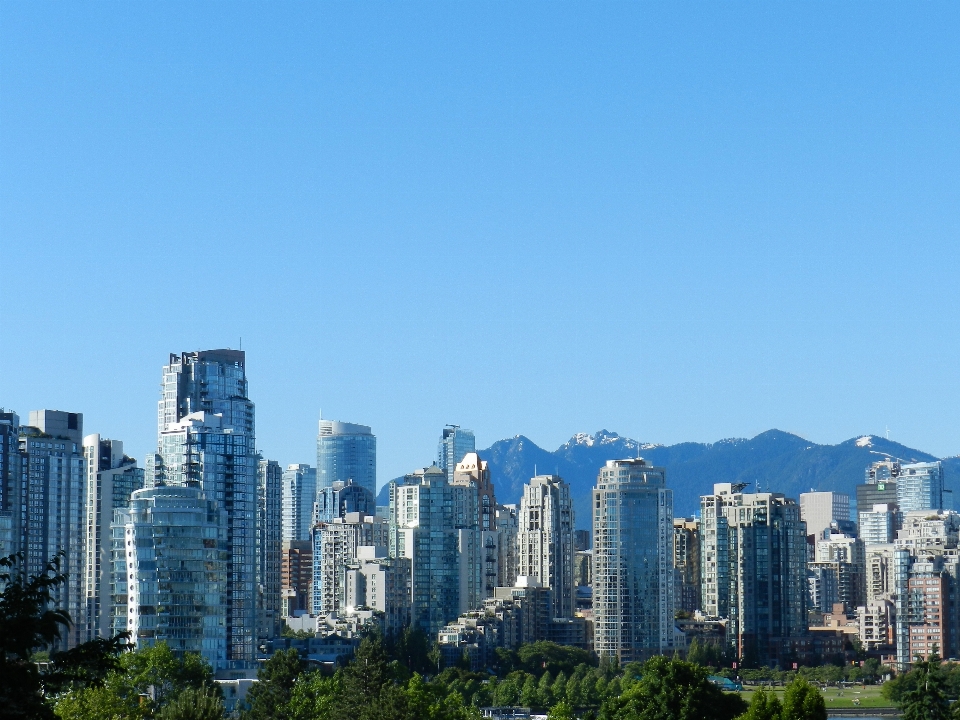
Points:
x=346, y=452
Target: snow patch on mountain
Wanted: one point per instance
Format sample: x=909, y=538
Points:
x=865, y=441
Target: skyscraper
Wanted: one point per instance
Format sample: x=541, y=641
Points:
x=299, y=495
x=920, y=487
x=880, y=485
x=111, y=479
x=819, y=509
x=335, y=545
x=10, y=472
x=346, y=452
x=170, y=553
x=269, y=537
x=545, y=539
x=342, y=498
x=207, y=440
x=422, y=529
x=455, y=442
x=52, y=504
x=686, y=560
x=754, y=570
x=477, y=517
x=633, y=582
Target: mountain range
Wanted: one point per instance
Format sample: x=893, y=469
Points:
x=774, y=461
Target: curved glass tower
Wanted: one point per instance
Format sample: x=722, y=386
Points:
x=346, y=452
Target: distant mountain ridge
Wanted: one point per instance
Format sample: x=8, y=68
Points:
x=778, y=461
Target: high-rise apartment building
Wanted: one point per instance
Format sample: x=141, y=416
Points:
x=170, y=578
x=269, y=536
x=299, y=495
x=920, y=487
x=111, y=479
x=837, y=574
x=346, y=452
x=296, y=577
x=878, y=526
x=423, y=529
x=819, y=510
x=376, y=582
x=754, y=570
x=633, y=573
x=53, y=475
x=10, y=476
x=508, y=549
x=335, y=545
x=455, y=443
x=207, y=440
x=545, y=539
x=686, y=562
x=479, y=537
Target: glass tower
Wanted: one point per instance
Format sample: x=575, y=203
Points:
x=207, y=441
x=633, y=582
x=920, y=487
x=455, y=442
x=346, y=452
x=299, y=495
x=170, y=570
x=269, y=531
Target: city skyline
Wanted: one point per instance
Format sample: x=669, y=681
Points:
x=738, y=196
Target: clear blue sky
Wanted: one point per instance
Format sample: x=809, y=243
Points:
x=683, y=222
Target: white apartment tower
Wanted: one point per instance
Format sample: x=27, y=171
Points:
x=111, y=479
x=545, y=540
x=298, y=496
x=819, y=509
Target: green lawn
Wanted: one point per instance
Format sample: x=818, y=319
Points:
x=869, y=696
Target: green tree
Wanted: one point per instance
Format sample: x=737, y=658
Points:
x=144, y=683
x=270, y=695
x=763, y=706
x=364, y=679
x=926, y=699
x=314, y=696
x=672, y=689
x=803, y=701
x=30, y=623
x=561, y=711
x=559, y=689
x=529, y=697
x=545, y=689
x=194, y=704
x=537, y=657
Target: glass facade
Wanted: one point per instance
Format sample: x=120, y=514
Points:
x=170, y=556
x=299, y=495
x=207, y=441
x=345, y=452
x=633, y=571
x=337, y=501
x=920, y=487
x=268, y=534
x=422, y=528
x=455, y=442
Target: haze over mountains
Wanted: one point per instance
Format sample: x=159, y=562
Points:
x=778, y=461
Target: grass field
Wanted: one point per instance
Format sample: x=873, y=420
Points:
x=869, y=696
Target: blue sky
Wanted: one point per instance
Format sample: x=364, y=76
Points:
x=674, y=221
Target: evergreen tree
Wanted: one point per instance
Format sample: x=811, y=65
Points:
x=270, y=695
x=926, y=699
x=364, y=679
x=559, y=689
x=545, y=689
